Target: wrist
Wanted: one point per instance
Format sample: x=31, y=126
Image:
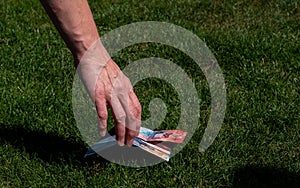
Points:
x=93, y=52
x=80, y=45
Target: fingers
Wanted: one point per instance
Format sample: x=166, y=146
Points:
x=124, y=104
x=136, y=110
x=127, y=116
x=119, y=119
x=130, y=134
x=100, y=103
x=120, y=134
x=132, y=109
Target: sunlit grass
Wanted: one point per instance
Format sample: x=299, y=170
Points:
x=257, y=46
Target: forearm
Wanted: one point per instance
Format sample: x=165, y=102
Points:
x=74, y=21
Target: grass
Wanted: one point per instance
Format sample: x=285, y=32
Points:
x=257, y=46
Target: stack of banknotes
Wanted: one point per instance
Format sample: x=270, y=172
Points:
x=147, y=140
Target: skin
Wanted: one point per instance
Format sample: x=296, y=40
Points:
x=74, y=21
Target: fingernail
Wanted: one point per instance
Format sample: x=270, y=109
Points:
x=120, y=144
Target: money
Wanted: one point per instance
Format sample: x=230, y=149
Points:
x=159, y=150
x=176, y=136
x=147, y=140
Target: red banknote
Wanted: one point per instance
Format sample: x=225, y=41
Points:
x=176, y=136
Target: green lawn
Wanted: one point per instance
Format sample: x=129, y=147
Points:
x=257, y=45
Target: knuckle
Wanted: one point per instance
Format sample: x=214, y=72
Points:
x=136, y=110
x=120, y=118
x=102, y=114
x=99, y=89
x=139, y=109
x=126, y=80
x=99, y=99
x=131, y=133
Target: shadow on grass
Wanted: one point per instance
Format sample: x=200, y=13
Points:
x=52, y=148
x=265, y=177
x=47, y=146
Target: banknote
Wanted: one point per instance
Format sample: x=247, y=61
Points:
x=176, y=136
x=154, y=148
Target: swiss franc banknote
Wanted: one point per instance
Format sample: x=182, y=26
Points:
x=176, y=136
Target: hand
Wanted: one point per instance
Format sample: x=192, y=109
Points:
x=107, y=85
x=103, y=79
x=114, y=88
